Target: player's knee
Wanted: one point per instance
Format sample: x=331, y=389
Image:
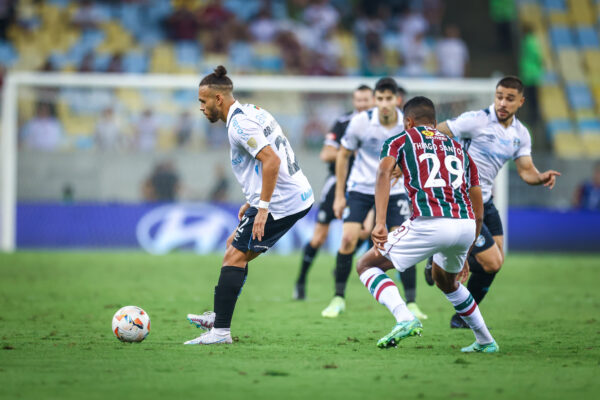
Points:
x=234, y=257
x=318, y=240
x=492, y=265
x=348, y=243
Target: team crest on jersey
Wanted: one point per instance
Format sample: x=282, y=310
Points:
x=252, y=143
x=480, y=241
x=516, y=143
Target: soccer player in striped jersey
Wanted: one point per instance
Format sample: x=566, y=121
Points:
x=362, y=100
x=447, y=213
x=277, y=195
x=364, y=136
x=493, y=136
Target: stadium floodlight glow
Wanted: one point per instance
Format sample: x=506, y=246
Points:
x=15, y=81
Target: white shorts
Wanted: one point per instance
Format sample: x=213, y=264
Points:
x=447, y=239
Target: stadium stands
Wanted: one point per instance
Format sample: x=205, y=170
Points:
x=570, y=96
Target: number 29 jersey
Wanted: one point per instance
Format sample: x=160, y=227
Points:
x=437, y=172
x=250, y=129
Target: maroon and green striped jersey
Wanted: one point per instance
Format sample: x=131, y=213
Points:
x=437, y=172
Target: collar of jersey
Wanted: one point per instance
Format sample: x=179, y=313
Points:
x=375, y=117
x=495, y=118
x=236, y=104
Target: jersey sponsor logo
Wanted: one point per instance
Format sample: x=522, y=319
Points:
x=238, y=160
x=306, y=195
x=428, y=133
x=480, y=241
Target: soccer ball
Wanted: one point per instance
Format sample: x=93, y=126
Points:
x=131, y=324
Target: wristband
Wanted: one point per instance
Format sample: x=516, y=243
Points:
x=263, y=204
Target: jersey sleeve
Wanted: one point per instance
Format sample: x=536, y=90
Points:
x=393, y=147
x=334, y=137
x=524, y=148
x=472, y=177
x=248, y=134
x=468, y=125
x=351, y=138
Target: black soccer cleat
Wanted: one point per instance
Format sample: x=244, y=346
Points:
x=456, y=322
x=299, y=292
x=428, y=273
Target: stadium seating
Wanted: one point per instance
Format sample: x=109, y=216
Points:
x=570, y=96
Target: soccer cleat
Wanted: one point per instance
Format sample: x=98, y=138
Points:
x=401, y=331
x=211, y=337
x=428, y=273
x=299, y=292
x=204, y=321
x=335, y=308
x=414, y=308
x=482, y=348
x=456, y=322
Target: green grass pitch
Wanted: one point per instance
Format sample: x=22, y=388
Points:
x=56, y=341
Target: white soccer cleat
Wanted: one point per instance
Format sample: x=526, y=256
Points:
x=204, y=321
x=211, y=337
x=335, y=308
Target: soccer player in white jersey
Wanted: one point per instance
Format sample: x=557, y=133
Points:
x=365, y=135
x=492, y=137
x=277, y=195
x=362, y=99
x=447, y=212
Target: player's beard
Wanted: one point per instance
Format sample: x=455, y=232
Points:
x=506, y=118
x=212, y=115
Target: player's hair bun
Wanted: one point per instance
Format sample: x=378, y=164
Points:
x=220, y=71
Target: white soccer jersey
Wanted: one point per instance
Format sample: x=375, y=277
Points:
x=250, y=129
x=489, y=144
x=366, y=135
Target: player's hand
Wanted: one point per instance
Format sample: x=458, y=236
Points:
x=396, y=175
x=338, y=206
x=258, y=228
x=243, y=211
x=379, y=236
x=463, y=275
x=548, y=178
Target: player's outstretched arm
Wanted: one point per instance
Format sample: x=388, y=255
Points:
x=382, y=197
x=328, y=153
x=530, y=174
x=270, y=171
x=341, y=172
x=443, y=127
x=477, y=202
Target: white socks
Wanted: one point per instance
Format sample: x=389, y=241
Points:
x=386, y=292
x=222, y=331
x=465, y=306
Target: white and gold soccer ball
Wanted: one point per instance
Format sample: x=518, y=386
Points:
x=131, y=324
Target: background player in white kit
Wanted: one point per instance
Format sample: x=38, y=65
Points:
x=365, y=135
x=362, y=100
x=443, y=185
x=277, y=195
x=492, y=137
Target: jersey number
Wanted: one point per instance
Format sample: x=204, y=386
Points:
x=452, y=164
x=293, y=167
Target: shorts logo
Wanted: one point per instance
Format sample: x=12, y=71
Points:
x=252, y=143
x=480, y=241
x=321, y=216
x=346, y=213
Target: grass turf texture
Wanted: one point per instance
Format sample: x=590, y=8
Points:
x=56, y=341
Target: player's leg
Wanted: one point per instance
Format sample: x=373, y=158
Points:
x=242, y=249
x=446, y=265
x=308, y=256
x=487, y=255
x=367, y=228
x=343, y=266
x=358, y=206
x=397, y=212
x=406, y=246
x=324, y=217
